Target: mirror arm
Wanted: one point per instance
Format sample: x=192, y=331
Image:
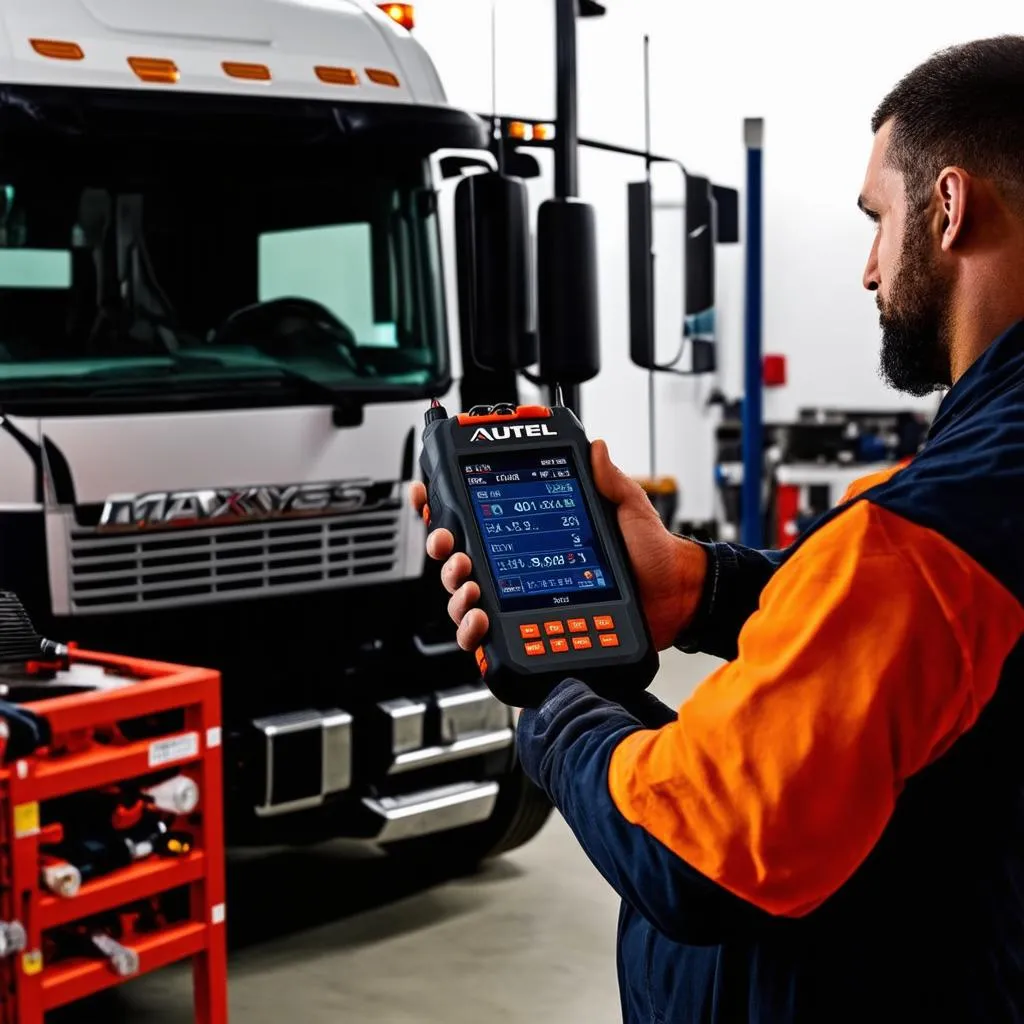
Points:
x=610, y=147
x=671, y=367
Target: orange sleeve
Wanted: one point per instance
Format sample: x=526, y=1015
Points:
x=875, y=646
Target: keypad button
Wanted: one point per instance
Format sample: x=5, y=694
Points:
x=609, y=639
x=530, y=632
x=558, y=646
x=577, y=625
x=554, y=628
x=604, y=622
x=534, y=647
x=582, y=643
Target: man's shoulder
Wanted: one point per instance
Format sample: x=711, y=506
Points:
x=871, y=480
x=968, y=486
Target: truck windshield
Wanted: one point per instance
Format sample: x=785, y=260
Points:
x=191, y=252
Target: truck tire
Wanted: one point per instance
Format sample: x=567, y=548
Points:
x=520, y=812
x=517, y=818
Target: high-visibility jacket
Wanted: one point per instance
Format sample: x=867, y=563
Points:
x=831, y=828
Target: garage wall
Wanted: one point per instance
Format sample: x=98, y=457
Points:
x=713, y=65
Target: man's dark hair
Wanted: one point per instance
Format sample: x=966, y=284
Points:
x=962, y=107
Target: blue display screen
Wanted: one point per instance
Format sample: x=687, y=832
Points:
x=541, y=546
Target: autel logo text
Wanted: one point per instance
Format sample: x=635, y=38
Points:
x=504, y=433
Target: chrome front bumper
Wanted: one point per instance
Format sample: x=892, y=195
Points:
x=307, y=759
x=431, y=810
x=469, y=722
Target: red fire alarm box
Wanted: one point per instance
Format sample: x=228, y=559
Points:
x=774, y=370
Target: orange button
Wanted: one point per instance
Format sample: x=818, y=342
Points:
x=553, y=628
x=534, y=647
x=530, y=632
x=559, y=646
x=480, y=659
x=609, y=639
x=582, y=643
x=577, y=625
x=604, y=622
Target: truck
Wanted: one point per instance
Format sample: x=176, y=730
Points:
x=222, y=315
x=224, y=308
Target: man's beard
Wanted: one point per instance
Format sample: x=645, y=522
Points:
x=915, y=321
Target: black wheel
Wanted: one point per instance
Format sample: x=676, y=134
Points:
x=520, y=812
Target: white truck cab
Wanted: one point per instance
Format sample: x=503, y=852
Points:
x=222, y=313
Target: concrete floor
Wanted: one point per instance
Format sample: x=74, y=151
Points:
x=333, y=934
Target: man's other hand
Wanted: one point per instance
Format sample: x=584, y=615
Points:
x=455, y=573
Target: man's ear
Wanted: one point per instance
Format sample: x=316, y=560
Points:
x=954, y=189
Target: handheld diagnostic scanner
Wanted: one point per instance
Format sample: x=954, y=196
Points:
x=514, y=487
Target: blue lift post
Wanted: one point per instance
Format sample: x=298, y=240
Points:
x=752, y=531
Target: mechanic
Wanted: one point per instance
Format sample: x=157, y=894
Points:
x=831, y=828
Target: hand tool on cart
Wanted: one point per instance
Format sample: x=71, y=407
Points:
x=123, y=961
x=59, y=876
x=12, y=938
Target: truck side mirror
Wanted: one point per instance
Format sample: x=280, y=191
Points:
x=456, y=166
x=520, y=164
x=641, y=275
x=702, y=232
x=700, y=246
x=703, y=227
x=727, y=214
x=567, y=306
x=492, y=256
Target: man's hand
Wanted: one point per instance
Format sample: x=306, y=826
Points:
x=669, y=570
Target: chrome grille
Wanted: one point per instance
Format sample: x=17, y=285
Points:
x=192, y=565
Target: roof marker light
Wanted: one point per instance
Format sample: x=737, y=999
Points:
x=250, y=72
x=336, y=76
x=382, y=77
x=57, y=49
x=155, y=69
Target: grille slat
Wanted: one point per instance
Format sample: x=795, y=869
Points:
x=192, y=565
x=184, y=538
x=149, y=567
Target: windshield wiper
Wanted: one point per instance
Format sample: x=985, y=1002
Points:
x=346, y=409
x=224, y=376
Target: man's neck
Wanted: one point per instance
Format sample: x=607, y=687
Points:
x=982, y=313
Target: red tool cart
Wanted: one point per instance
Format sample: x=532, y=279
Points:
x=132, y=721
